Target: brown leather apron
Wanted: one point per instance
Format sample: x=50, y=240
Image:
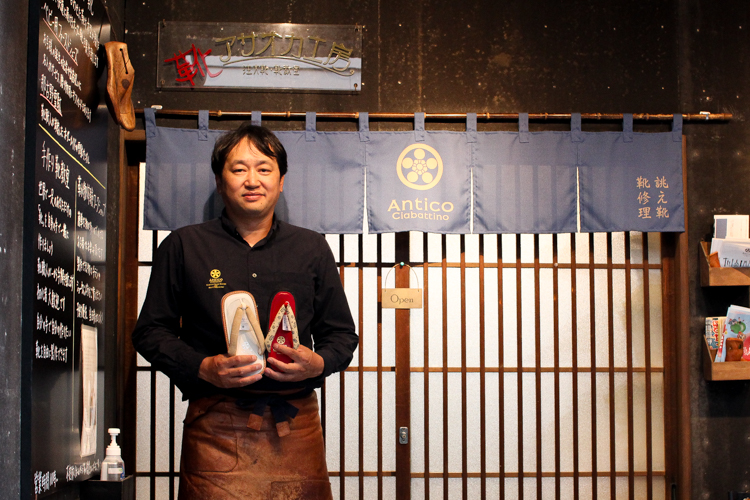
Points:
x=223, y=458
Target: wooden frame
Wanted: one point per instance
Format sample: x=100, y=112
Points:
x=674, y=268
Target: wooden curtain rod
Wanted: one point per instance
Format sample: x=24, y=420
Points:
x=694, y=117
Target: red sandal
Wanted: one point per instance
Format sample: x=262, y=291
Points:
x=283, y=326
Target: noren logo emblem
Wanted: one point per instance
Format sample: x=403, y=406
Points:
x=420, y=167
x=215, y=273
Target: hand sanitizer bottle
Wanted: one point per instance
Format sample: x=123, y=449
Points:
x=113, y=468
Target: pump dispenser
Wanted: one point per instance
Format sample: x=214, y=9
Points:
x=113, y=468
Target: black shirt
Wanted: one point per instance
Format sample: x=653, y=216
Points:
x=180, y=323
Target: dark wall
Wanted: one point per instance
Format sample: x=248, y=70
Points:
x=714, y=75
x=538, y=56
x=442, y=56
x=116, y=13
x=13, y=38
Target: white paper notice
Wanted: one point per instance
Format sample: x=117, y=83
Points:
x=89, y=362
x=733, y=253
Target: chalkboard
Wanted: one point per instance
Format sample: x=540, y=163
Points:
x=69, y=204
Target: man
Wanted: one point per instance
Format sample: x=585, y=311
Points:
x=234, y=442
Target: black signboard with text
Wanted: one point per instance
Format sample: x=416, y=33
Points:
x=64, y=325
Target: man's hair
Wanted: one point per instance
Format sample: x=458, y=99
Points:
x=262, y=138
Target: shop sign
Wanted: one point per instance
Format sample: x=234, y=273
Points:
x=401, y=298
x=293, y=57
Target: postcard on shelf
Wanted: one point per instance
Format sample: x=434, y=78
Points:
x=732, y=337
x=732, y=226
x=731, y=252
x=714, y=327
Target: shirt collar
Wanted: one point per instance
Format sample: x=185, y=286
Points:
x=231, y=228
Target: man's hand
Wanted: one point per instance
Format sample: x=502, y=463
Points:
x=307, y=364
x=229, y=372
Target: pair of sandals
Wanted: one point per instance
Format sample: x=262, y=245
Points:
x=242, y=329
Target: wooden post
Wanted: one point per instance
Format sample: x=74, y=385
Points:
x=403, y=378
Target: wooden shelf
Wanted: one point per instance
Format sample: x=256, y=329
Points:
x=728, y=370
x=721, y=276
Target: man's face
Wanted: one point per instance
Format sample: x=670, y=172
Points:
x=250, y=184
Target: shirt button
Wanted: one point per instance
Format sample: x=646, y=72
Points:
x=255, y=275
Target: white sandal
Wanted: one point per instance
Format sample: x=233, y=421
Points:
x=242, y=330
